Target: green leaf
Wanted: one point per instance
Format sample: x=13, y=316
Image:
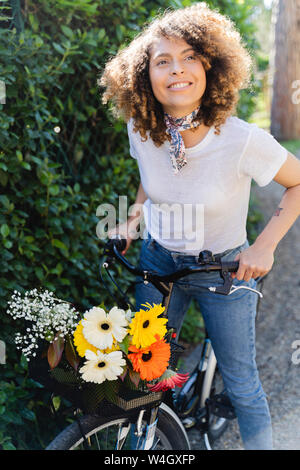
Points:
x=124, y=373
x=67, y=31
x=8, y=446
x=8, y=244
x=59, y=244
x=26, y=165
x=3, y=178
x=54, y=190
x=39, y=273
x=101, y=34
x=125, y=344
x=19, y=155
x=56, y=402
x=71, y=355
x=28, y=414
x=134, y=377
x=55, y=351
x=4, y=230
x=34, y=23
x=58, y=48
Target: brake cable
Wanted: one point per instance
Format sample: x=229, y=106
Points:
x=124, y=302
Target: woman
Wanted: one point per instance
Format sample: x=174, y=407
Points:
x=177, y=85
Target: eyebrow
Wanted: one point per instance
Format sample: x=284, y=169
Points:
x=166, y=54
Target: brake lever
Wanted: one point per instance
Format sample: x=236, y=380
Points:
x=227, y=288
x=207, y=257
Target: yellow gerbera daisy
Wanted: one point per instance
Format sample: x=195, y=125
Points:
x=82, y=344
x=146, y=324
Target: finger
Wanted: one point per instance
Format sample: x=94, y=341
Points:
x=128, y=243
x=255, y=274
x=237, y=258
x=240, y=273
x=248, y=275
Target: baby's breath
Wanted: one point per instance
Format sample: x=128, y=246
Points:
x=48, y=317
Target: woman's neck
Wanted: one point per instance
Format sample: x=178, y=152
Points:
x=192, y=137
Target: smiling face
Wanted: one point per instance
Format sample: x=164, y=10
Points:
x=177, y=76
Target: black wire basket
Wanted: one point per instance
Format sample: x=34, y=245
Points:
x=63, y=380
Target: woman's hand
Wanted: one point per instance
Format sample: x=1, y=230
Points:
x=126, y=230
x=255, y=261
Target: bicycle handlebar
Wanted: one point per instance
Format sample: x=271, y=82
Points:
x=207, y=262
x=115, y=245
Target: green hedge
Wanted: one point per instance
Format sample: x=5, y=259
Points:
x=52, y=182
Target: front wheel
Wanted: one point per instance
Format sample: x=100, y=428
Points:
x=117, y=433
x=213, y=385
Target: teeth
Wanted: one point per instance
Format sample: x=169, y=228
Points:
x=179, y=85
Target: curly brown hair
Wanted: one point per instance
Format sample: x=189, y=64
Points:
x=214, y=38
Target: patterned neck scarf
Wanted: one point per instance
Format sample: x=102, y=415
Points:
x=177, y=149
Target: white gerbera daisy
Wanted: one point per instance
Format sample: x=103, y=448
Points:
x=100, y=367
x=101, y=329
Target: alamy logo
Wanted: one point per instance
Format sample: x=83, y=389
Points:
x=2, y=92
x=175, y=221
x=296, y=354
x=296, y=94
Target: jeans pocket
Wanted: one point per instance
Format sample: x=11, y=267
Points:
x=152, y=258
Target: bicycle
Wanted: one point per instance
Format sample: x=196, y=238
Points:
x=201, y=402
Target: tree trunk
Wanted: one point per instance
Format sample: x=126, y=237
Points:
x=285, y=109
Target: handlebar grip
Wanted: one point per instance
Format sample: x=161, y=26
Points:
x=118, y=242
x=231, y=266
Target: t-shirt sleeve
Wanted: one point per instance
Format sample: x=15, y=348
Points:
x=132, y=150
x=263, y=156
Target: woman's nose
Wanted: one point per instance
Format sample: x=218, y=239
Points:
x=177, y=68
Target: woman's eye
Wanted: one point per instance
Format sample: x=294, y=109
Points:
x=162, y=62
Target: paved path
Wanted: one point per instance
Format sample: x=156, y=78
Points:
x=278, y=326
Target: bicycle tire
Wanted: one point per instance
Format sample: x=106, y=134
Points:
x=169, y=430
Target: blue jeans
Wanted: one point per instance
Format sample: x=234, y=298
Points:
x=230, y=324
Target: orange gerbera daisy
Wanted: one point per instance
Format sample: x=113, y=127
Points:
x=152, y=361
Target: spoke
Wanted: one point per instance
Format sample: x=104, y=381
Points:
x=122, y=435
x=98, y=446
x=158, y=440
x=119, y=436
x=138, y=443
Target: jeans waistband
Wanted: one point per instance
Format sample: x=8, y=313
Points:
x=178, y=253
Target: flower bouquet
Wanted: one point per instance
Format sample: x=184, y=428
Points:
x=121, y=357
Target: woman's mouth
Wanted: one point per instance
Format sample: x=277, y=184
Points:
x=179, y=86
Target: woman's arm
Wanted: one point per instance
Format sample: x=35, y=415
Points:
x=136, y=211
x=258, y=259
x=129, y=228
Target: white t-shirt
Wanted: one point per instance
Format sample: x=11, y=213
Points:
x=205, y=205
